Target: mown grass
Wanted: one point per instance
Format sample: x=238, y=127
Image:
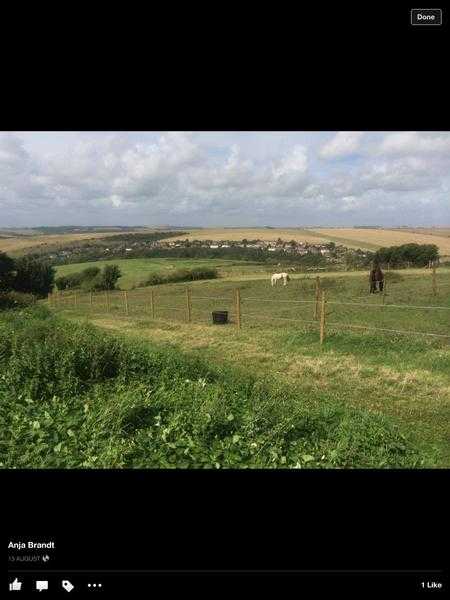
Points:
x=73, y=395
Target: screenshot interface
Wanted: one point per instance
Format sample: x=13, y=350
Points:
x=225, y=311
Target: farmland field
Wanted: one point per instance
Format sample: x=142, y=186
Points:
x=403, y=376
x=232, y=234
x=438, y=231
x=375, y=238
x=370, y=239
x=15, y=244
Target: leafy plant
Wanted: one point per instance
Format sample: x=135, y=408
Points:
x=73, y=396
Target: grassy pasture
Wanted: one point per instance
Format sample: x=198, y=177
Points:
x=263, y=306
x=136, y=270
x=76, y=396
x=403, y=376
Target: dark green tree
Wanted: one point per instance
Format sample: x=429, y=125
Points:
x=33, y=277
x=110, y=276
x=107, y=279
x=61, y=282
x=90, y=273
x=7, y=272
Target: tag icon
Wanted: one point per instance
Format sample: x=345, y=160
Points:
x=67, y=585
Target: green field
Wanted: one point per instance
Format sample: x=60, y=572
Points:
x=263, y=306
x=75, y=396
x=402, y=376
x=136, y=270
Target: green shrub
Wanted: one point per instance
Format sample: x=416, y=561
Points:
x=180, y=275
x=154, y=279
x=13, y=300
x=7, y=272
x=62, y=282
x=90, y=279
x=106, y=279
x=90, y=273
x=204, y=273
x=33, y=277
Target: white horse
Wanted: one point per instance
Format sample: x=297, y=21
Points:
x=277, y=276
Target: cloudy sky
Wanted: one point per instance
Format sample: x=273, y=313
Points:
x=224, y=178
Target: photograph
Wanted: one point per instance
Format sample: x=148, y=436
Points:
x=224, y=300
x=225, y=303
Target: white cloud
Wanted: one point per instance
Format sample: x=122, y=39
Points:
x=349, y=203
x=404, y=174
x=343, y=144
x=413, y=143
x=179, y=177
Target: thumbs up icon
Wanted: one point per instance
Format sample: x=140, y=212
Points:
x=15, y=586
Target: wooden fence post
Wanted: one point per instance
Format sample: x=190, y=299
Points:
x=238, y=307
x=322, y=318
x=434, y=281
x=152, y=303
x=90, y=300
x=107, y=301
x=383, y=298
x=316, y=306
x=188, y=305
x=125, y=297
x=75, y=299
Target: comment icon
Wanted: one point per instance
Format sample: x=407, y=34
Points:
x=41, y=585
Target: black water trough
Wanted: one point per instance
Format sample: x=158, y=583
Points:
x=220, y=316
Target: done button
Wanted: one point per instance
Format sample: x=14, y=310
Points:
x=426, y=16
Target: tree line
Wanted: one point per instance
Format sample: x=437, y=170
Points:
x=26, y=278
x=416, y=255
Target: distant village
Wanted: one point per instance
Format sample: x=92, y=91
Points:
x=327, y=252
x=292, y=247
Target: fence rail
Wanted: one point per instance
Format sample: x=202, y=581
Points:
x=120, y=304
x=370, y=305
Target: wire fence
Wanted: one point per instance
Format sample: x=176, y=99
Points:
x=190, y=307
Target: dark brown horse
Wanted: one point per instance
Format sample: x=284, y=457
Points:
x=376, y=276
